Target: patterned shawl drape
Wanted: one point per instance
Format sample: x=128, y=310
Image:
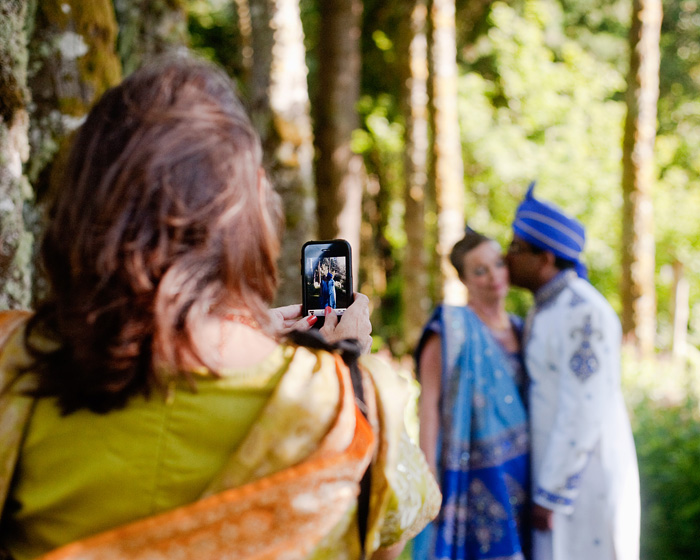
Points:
x=482, y=448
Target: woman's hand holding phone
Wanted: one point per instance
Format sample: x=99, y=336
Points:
x=355, y=323
x=289, y=318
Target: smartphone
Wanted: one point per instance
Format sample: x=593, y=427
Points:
x=326, y=277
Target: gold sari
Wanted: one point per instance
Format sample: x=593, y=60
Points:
x=288, y=492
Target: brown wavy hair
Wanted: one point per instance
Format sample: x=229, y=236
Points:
x=471, y=240
x=163, y=217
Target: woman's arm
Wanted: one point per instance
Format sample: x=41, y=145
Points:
x=430, y=367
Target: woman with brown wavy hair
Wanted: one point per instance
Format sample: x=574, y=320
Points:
x=152, y=393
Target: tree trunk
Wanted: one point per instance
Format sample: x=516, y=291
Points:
x=638, y=245
x=447, y=150
x=280, y=111
x=73, y=61
x=470, y=16
x=245, y=29
x=148, y=28
x=680, y=310
x=339, y=172
x=413, y=52
x=15, y=240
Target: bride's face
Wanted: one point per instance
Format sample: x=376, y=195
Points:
x=486, y=273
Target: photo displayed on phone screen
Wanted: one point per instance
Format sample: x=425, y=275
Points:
x=327, y=277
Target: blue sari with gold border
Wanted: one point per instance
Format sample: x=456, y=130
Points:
x=483, y=446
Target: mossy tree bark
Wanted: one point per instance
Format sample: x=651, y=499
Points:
x=280, y=110
x=148, y=28
x=72, y=62
x=638, y=244
x=16, y=240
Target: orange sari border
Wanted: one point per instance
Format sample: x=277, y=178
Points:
x=14, y=408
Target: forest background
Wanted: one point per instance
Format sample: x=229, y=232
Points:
x=393, y=123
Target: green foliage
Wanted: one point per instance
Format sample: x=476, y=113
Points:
x=600, y=27
x=214, y=32
x=664, y=396
x=380, y=51
x=380, y=141
x=535, y=105
x=668, y=448
x=676, y=201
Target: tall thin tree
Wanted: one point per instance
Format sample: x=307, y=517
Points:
x=280, y=110
x=15, y=239
x=413, y=58
x=447, y=152
x=638, y=245
x=339, y=172
x=245, y=30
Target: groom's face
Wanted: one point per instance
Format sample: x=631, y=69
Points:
x=524, y=263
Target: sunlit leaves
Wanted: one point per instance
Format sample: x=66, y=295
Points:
x=546, y=112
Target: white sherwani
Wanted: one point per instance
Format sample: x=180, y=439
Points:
x=584, y=464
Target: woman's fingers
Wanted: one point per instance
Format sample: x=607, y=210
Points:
x=288, y=318
x=355, y=323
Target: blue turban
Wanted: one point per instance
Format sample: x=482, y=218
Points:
x=543, y=225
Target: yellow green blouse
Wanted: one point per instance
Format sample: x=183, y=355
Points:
x=84, y=473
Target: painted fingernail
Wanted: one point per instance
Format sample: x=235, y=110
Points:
x=311, y=319
x=328, y=310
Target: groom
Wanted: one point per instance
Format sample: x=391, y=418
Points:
x=585, y=480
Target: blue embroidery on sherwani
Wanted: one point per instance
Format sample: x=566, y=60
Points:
x=573, y=481
x=576, y=299
x=554, y=498
x=548, y=293
x=584, y=362
x=546, y=297
x=482, y=449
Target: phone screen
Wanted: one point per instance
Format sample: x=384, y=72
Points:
x=326, y=276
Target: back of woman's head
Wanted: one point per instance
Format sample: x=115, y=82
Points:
x=163, y=215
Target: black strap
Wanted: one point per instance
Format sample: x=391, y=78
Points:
x=366, y=482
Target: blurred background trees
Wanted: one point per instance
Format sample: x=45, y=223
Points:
x=16, y=239
x=638, y=167
x=396, y=122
